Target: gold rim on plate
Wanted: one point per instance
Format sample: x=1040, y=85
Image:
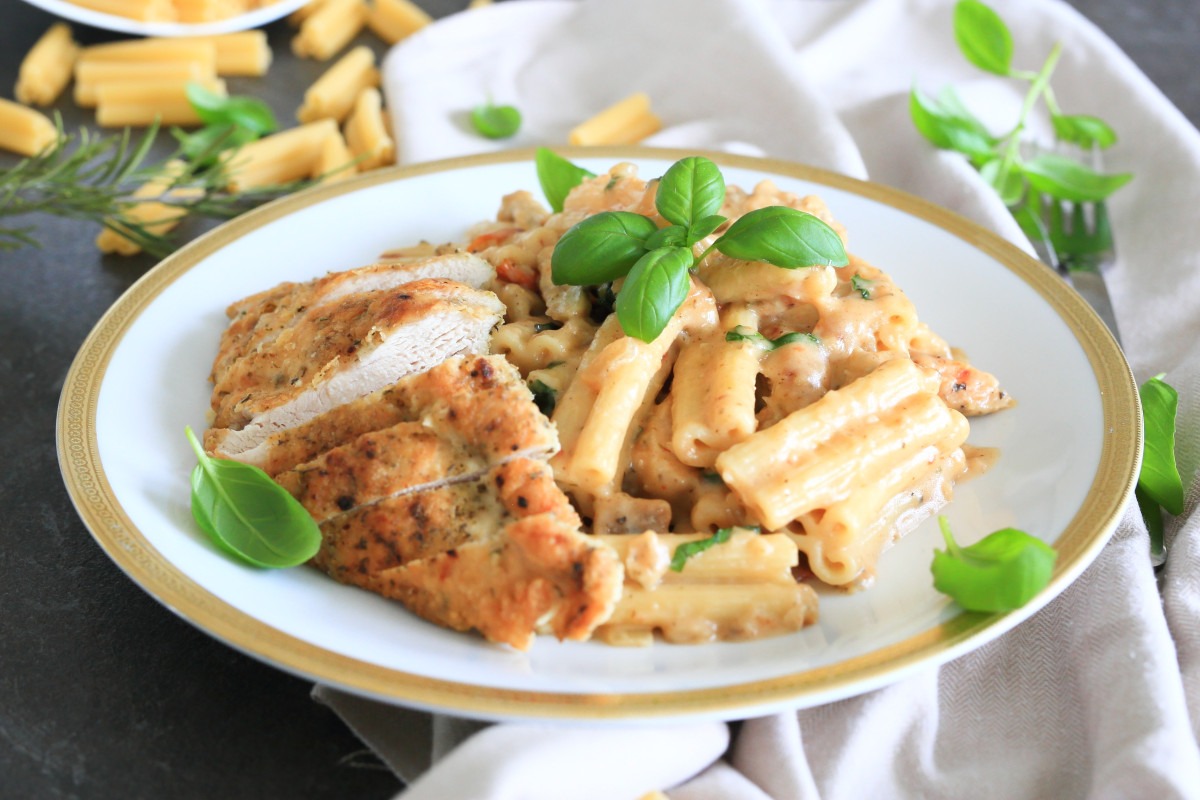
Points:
x=1080, y=542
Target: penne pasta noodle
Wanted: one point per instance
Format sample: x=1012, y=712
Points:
x=334, y=161
x=157, y=217
x=626, y=122
x=153, y=51
x=23, y=130
x=393, y=20
x=90, y=75
x=279, y=158
x=334, y=93
x=46, y=68
x=330, y=28
x=366, y=132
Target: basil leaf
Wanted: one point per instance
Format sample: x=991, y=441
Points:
x=1002, y=571
x=784, y=237
x=1152, y=515
x=690, y=190
x=1009, y=183
x=558, y=176
x=496, y=122
x=950, y=127
x=245, y=112
x=983, y=37
x=204, y=144
x=704, y=227
x=600, y=248
x=544, y=396
x=740, y=333
x=1083, y=130
x=861, y=285
x=1159, y=479
x=688, y=549
x=1066, y=179
x=655, y=289
x=670, y=236
x=248, y=514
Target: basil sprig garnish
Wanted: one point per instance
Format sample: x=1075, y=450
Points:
x=656, y=263
x=248, y=515
x=558, y=176
x=986, y=42
x=1159, y=485
x=229, y=122
x=1000, y=572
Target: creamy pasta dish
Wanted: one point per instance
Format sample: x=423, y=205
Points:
x=491, y=448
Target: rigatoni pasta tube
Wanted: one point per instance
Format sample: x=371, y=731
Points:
x=334, y=161
x=279, y=158
x=329, y=29
x=245, y=53
x=46, y=68
x=393, y=20
x=818, y=455
x=156, y=217
x=334, y=93
x=90, y=75
x=747, y=557
x=626, y=122
x=143, y=102
x=153, y=51
x=23, y=130
x=366, y=132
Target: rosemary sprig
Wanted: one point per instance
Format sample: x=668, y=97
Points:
x=92, y=177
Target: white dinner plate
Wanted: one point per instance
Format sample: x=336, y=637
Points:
x=112, y=22
x=1069, y=456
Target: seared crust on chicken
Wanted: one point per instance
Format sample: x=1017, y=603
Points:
x=537, y=568
x=346, y=349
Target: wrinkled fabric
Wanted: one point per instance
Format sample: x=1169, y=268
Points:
x=1098, y=694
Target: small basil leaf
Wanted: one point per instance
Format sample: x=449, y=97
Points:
x=1008, y=182
x=1084, y=130
x=558, y=176
x=670, y=236
x=704, y=227
x=741, y=333
x=947, y=128
x=496, y=122
x=686, y=550
x=690, y=190
x=861, y=285
x=248, y=514
x=983, y=37
x=1159, y=479
x=204, y=144
x=1066, y=179
x=654, y=290
x=784, y=237
x=1001, y=572
x=245, y=112
x=600, y=248
x=1152, y=515
x=544, y=396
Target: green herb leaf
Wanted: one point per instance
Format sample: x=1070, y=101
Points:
x=655, y=289
x=496, y=122
x=204, y=144
x=1066, y=179
x=248, y=514
x=861, y=285
x=670, y=236
x=1008, y=181
x=544, y=396
x=690, y=190
x=1001, y=572
x=704, y=227
x=1159, y=479
x=558, y=176
x=600, y=248
x=1084, y=130
x=1152, y=515
x=741, y=333
x=949, y=126
x=983, y=37
x=245, y=112
x=686, y=550
x=784, y=237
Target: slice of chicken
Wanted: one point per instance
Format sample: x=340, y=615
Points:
x=481, y=400
x=538, y=573
x=341, y=351
x=257, y=320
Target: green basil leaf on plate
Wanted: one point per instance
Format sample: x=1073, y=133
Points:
x=558, y=176
x=601, y=248
x=654, y=290
x=784, y=237
x=690, y=190
x=1001, y=572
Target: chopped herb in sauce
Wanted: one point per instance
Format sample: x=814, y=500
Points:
x=744, y=334
x=545, y=396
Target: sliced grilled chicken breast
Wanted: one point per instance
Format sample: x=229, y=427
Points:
x=343, y=350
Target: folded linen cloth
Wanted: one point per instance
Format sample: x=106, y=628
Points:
x=1098, y=694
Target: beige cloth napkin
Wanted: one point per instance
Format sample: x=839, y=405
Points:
x=1098, y=694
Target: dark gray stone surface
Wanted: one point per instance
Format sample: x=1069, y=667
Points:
x=103, y=692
